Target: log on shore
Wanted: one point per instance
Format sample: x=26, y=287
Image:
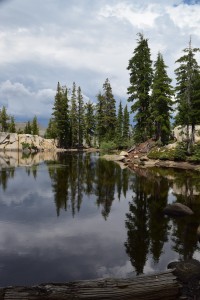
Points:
x=160, y=286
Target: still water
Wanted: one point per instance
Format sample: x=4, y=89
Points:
x=75, y=216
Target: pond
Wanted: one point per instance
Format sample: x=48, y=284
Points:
x=72, y=216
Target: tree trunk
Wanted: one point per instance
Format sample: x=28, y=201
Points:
x=159, y=286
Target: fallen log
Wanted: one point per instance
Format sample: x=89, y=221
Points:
x=152, y=287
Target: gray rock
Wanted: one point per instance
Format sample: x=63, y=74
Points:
x=177, y=209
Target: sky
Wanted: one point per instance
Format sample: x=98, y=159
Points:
x=84, y=41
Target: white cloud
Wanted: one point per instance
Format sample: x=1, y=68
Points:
x=138, y=17
x=186, y=17
x=85, y=42
x=21, y=101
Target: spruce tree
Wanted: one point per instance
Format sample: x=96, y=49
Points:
x=126, y=125
x=89, y=123
x=74, y=117
x=12, y=127
x=187, y=93
x=34, y=126
x=119, y=127
x=28, y=128
x=51, y=130
x=4, y=119
x=141, y=73
x=61, y=116
x=100, y=123
x=161, y=101
x=110, y=111
x=81, y=125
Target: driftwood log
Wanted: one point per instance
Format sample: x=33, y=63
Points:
x=160, y=286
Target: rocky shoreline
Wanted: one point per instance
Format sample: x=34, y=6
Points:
x=143, y=161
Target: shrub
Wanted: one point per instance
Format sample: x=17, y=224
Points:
x=180, y=152
x=107, y=146
x=26, y=145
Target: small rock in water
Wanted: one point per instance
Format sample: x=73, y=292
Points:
x=123, y=153
x=177, y=209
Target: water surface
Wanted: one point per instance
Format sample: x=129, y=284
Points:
x=75, y=216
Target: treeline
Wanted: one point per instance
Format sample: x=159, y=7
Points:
x=154, y=99
x=7, y=124
x=76, y=122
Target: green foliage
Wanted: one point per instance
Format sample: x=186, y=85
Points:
x=195, y=157
x=141, y=74
x=26, y=145
x=161, y=102
x=74, y=118
x=81, y=120
x=188, y=93
x=60, y=120
x=180, y=152
x=4, y=119
x=35, y=126
x=106, y=114
x=51, y=132
x=12, y=127
x=28, y=128
x=107, y=146
x=161, y=153
x=89, y=123
x=126, y=125
x=119, y=127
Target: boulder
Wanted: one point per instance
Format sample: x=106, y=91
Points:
x=123, y=153
x=177, y=209
x=114, y=157
x=15, y=142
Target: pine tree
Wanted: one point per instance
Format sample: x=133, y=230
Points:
x=126, y=125
x=110, y=111
x=4, y=119
x=141, y=73
x=28, y=128
x=161, y=101
x=100, y=123
x=61, y=116
x=89, y=123
x=74, y=117
x=34, y=126
x=81, y=124
x=187, y=93
x=51, y=130
x=119, y=127
x=12, y=127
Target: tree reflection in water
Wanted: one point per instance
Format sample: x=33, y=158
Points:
x=75, y=177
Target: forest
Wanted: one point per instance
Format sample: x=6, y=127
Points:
x=156, y=106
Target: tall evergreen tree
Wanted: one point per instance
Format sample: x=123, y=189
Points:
x=141, y=73
x=61, y=116
x=4, y=119
x=74, y=117
x=89, y=123
x=100, y=113
x=35, y=126
x=119, y=127
x=81, y=124
x=161, y=101
x=51, y=130
x=188, y=92
x=12, y=127
x=110, y=110
x=126, y=125
x=28, y=128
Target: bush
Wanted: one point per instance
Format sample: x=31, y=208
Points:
x=180, y=152
x=196, y=154
x=26, y=145
x=107, y=146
